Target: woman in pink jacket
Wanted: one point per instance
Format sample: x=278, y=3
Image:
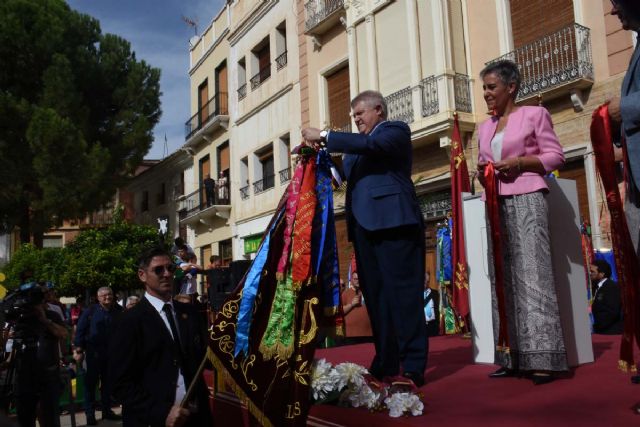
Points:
x=523, y=147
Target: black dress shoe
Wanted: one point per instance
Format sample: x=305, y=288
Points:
x=111, y=416
x=417, y=378
x=503, y=373
x=91, y=420
x=538, y=379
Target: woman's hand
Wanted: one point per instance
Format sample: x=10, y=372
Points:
x=510, y=166
x=480, y=166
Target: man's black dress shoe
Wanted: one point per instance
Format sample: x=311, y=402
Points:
x=503, y=373
x=542, y=379
x=417, y=378
x=111, y=416
x=91, y=420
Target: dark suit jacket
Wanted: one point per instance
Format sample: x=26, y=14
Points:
x=380, y=193
x=144, y=367
x=607, y=309
x=630, y=112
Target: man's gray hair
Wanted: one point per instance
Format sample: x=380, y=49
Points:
x=372, y=98
x=104, y=288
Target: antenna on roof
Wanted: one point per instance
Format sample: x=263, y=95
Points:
x=192, y=23
x=165, y=151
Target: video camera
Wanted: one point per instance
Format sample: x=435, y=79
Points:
x=20, y=302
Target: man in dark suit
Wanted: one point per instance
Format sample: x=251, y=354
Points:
x=385, y=225
x=625, y=111
x=606, y=307
x=155, y=352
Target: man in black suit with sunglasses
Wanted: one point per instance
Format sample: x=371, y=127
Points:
x=155, y=353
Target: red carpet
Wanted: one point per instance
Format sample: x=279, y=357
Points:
x=459, y=393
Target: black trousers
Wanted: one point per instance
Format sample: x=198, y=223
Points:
x=391, y=267
x=37, y=387
x=97, y=371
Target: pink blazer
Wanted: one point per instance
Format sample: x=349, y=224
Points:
x=529, y=132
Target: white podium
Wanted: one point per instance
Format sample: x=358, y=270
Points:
x=568, y=271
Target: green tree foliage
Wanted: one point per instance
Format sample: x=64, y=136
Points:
x=77, y=111
x=97, y=257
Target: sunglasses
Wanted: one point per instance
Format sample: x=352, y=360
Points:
x=160, y=269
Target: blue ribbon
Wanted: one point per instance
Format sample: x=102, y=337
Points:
x=250, y=291
x=324, y=243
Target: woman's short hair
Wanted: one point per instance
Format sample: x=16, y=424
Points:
x=507, y=71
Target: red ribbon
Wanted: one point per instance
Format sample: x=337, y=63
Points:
x=623, y=250
x=493, y=210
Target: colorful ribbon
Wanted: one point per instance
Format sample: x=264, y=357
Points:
x=493, y=211
x=623, y=250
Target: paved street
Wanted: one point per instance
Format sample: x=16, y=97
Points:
x=81, y=420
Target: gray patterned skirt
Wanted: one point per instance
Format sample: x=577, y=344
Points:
x=535, y=333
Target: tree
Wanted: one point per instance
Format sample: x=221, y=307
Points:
x=77, y=111
x=97, y=257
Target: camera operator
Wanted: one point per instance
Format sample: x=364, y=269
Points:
x=37, y=334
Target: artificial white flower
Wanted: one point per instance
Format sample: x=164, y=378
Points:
x=351, y=375
x=323, y=379
x=362, y=396
x=399, y=403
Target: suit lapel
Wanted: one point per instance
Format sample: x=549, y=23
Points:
x=626, y=83
x=155, y=317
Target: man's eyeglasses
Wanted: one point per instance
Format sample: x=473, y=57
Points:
x=160, y=269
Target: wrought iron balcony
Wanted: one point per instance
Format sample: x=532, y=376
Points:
x=264, y=184
x=400, y=105
x=242, y=91
x=216, y=106
x=321, y=12
x=285, y=175
x=244, y=192
x=262, y=75
x=281, y=61
x=555, y=60
x=432, y=86
x=202, y=199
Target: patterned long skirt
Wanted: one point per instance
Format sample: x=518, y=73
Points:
x=535, y=333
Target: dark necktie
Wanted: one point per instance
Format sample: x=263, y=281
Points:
x=174, y=331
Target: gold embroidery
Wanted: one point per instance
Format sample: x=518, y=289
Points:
x=306, y=338
x=245, y=365
x=302, y=374
x=293, y=410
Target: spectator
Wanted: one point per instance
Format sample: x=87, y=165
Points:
x=209, y=189
x=607, y=306
x=91, y=342
x=132, y=301
x=223, y=187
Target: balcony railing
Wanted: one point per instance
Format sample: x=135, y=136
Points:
x=319, y=10
x=285, y=175
x=400, y=105
x=242, y=91
x=216, y=106
x=202, y=199
x=244, y=192
x=553, y=60
x=262, y=75
x=264, y=184
x=281, y=61
x=431, y=92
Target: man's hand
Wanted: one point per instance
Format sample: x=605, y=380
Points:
x=357, y=300
x=312, y=137
x=614, y=110
x=481, y=166
x=177, y=416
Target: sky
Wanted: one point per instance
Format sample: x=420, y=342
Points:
x=159, y=36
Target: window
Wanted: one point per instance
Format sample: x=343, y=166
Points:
x=261, y=63
x=226, y=252
x=244, y=178
x=203, y=103
x=281, y=46
x=242, y=79
x=264, y=170
x=52, y=241
x=221, y=89
x=284, y=156
x=144, y=204
x=339, y=100
x=162, y=194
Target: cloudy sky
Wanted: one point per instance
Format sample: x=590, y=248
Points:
x=159, y=36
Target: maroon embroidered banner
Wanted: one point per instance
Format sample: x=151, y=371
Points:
x=623, y=250
x=459, y=184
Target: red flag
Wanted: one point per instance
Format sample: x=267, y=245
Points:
x=459, y=184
